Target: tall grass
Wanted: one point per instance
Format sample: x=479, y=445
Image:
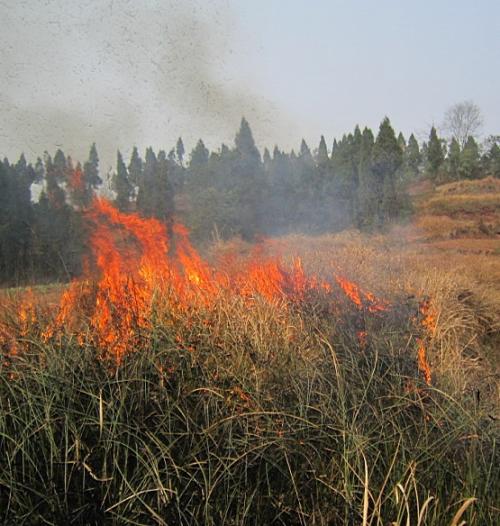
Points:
x=247, y=413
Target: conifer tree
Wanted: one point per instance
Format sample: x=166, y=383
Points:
x=413, y=157
x=121, y=185
x=145, y=194
x=163, y=194
x=179, y=148
x=387, y=158
x=470, y=160
x=266, y=158
x=492, y=160
x=248, y=182
x=199, y=155
x=91, y=179
x=367, y=189
x=453, y=160
x=245, y=143
x=135, y=168
x=322, y=157
x=401, y=141
x=55, y=173
x=435, y=154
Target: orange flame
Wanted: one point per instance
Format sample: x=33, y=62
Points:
x=429, y=322
x=138, y=266
x=361, y=298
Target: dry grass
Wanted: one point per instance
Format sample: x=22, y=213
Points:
x=271, y=412
x=487, y=185
x=464, y=290
x=253, y=412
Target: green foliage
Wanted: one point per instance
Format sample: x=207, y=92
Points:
x=91, y=179
x=232, y=192
x=135, y=168
x=413, y=158
x=453, y=160
x=387, y=159
x=155, y=197
x=121, y=185
x=180, y=151
x=492, y=161
x=435, y=154
x=469, y=167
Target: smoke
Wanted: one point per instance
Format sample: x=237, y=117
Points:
x=194, y=75
x=124, y=73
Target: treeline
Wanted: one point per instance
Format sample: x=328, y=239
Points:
x=361, y=182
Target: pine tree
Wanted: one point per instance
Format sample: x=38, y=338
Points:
x=470, y=160
x=163, y=194
x=266, y=160
x=387, y=158
x=322, y=157
x=91, y=179
x=145, y=194
x=121, y=185
x=366, y=204
x=199, y=155
x=435, y=155
x=453, y=160
x=55, y=174
x=135, y=168
x=16, y=216
x=492, y=161
x=248, y=182
x=179, y=148
x=401, y=141
x=305, y=152
x=413, y=158
x=245, y=143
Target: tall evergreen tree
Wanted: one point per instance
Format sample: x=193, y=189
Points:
x=245, y=143
x=91, y=179
x=470, y=160
x=248, y=182
x=135, y=168
x=322, y=157
x=55, y=174
x=453, y=160
x=387, y=158
x=401, y=141
x=163, y=195
x=492, y=160
x=435, y=155
x=199, y=155
x=122, y=185
x=413, y=157
x=367, y=189
x=145, y=194
x=179, y=148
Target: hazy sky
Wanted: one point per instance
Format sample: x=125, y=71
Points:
x=144, y=72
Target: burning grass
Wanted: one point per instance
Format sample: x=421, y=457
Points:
x=256, y=390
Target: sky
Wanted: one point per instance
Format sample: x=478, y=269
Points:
x=124, y=73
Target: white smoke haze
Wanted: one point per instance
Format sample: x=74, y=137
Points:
x=122, y=73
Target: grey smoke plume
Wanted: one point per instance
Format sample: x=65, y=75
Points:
x=122, y=73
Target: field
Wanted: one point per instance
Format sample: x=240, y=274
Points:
x=338, y=379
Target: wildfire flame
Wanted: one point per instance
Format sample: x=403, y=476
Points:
x=429, y=322
x=135, y=265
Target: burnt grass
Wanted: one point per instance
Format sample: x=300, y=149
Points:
x=244, y=413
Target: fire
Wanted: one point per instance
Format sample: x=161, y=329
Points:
x=136, y=269
x=360, y=297
x=429, y=322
